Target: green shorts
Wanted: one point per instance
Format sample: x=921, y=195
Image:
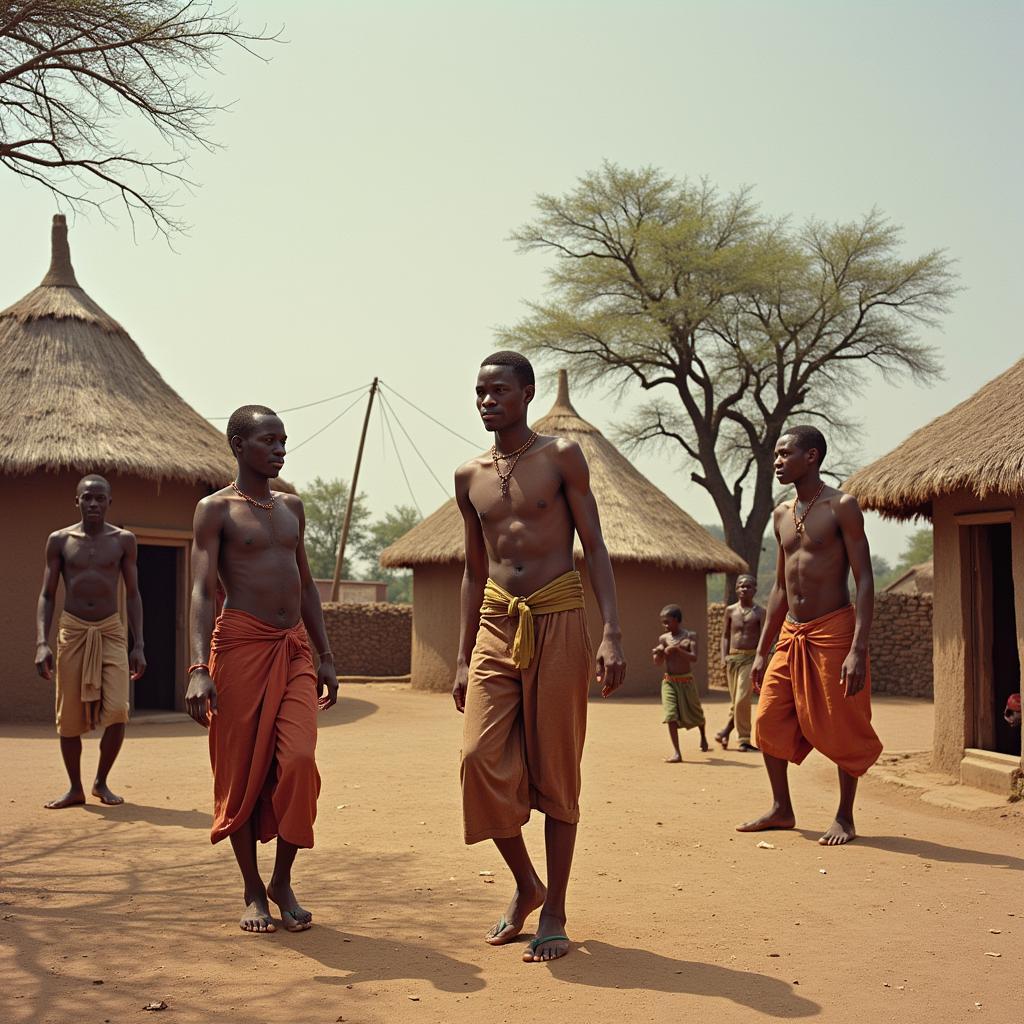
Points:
x=681, y=702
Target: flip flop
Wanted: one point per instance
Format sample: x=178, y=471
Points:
x=747, y=748
x=723, y=738
x=541, y=939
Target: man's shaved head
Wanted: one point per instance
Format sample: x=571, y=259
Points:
x=746, y=576
x=92, y=480
x=243, y=419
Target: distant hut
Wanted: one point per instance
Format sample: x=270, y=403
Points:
x=918, y=580
x=965, y=471
x=660, y=556
x=76, y=396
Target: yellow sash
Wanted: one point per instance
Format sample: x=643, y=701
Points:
x=560, y=595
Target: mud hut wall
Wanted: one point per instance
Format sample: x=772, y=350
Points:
x=642, y=592
x=435, y=625
x=952, y=624
x=44, y=503
x=370, y=639
x=901, y=645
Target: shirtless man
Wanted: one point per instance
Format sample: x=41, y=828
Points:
x=253, y=683
x=525, y=661
x=676, y=650
x=740, y=632
x=816, y=692
x=91, y=557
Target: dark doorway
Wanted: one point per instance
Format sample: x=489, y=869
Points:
x=996, y=660
x=158, y=584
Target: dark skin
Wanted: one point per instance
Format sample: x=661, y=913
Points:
x=811, y=581
x=90, y=557
x=677, y=651
x=523, y=542
x=260, y=558
x=741, y=629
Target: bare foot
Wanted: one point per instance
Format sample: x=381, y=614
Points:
x=106, y=797
x=774, y=819
x=551, y=942
x=511, y=924
x=257, y=917
x=674, y=759
x=72, y=798
x=838, y=833
x=748, y=748
x=704, y=744
x=293, y=917
x=723, y=738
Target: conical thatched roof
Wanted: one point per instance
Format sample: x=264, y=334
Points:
x=76, y=392
x=640, y=524
x=977, y=446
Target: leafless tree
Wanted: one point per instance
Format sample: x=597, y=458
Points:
x=72, y=72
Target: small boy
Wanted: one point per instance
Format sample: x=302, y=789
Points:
x=677, y=651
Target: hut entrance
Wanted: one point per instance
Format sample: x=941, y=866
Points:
x=994, y=663
x=160, y=568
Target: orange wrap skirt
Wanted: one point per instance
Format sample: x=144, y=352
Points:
x=803, y=704
x=263, y=737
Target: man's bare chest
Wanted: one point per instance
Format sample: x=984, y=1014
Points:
x=249, y=532
x=532, y=495
x=84, y=554
x=816, y=534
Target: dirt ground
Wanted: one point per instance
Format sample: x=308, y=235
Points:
x=674, y=915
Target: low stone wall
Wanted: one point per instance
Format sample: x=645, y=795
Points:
x=716, y=673
x=370, y=639
x=901, y=645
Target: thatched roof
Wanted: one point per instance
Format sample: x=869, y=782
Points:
x=918, y=579
x=639, y=522
x=977, y=446
x=77, y=393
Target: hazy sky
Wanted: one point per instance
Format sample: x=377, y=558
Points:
x=356, y=221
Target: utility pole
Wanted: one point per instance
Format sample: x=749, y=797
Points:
x=347, y=522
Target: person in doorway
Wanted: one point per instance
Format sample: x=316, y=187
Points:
x=816, y=691
x=252, y=681
x=94, y=665
x=740, y=632
x=676, y=650
x=524, y=660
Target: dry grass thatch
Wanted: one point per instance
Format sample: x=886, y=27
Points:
x=978, y=446
x=640, y=523
x=77, y=393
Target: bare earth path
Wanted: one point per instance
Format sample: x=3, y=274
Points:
x=674, y=915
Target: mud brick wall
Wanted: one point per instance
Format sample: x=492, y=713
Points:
x=716, y=674
x=901, y=645
x=370, y=639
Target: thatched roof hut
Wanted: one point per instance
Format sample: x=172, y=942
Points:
x=660, y=555
x=977, y=447
x=77, y=396
x=77, y=393
x=965, y=471
x=918, y=579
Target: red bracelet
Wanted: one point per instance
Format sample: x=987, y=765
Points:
x=198, y=664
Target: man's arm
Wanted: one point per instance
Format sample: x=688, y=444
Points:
x=473, y=579
x=201, y=695
x=851, y=526
x=313, y=615
x=658, y=652
x=44, y=607
x=611, y=662
x=133, y=600
x=774, y=616
x=726, y=633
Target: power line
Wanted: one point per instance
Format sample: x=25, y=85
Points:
x=329, y=423
x=308, y=405
x=423, y=412
x=412, y=443
x=398, y=455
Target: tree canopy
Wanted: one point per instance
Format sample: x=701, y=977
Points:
x=732, y=323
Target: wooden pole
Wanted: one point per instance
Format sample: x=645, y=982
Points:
x=347, y=522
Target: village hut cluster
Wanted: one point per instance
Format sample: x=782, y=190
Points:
x=660, y=556
x=78, y=396
x=965, y=472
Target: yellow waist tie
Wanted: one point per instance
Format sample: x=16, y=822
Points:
x=560, y=595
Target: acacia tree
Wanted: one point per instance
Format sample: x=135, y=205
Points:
x=733, y=323
x=70, y=73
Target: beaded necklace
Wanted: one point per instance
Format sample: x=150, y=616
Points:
x=511, y=458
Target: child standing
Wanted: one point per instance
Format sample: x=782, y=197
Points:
x=677, y=651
